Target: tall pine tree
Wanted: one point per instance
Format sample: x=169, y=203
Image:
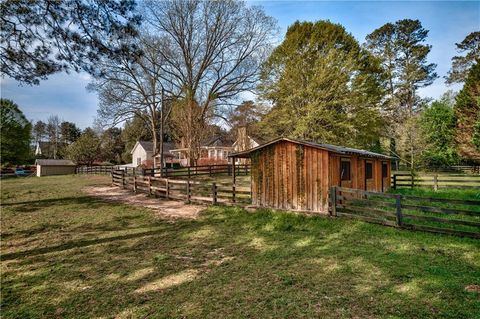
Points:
x=467, y=113
x=401, y=48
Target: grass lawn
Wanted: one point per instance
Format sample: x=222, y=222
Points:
x=67, y=255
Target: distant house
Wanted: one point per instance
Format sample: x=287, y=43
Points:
x=142, y=153
x=48, y=167
x=216, y=150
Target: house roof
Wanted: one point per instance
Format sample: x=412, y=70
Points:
x=148, y=146
x=219, y=140
x=167, y=147
x=54, y=162
x=328, y=147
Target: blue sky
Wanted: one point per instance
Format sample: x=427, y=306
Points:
x=449, y=22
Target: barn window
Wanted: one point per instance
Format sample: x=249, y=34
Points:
x=139, y=161
x=368, y=170
x=384, y=169
x=345, y=170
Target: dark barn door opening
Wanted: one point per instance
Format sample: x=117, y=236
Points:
x=368, y=174
x=384, y=175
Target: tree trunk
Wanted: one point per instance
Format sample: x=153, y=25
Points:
x=155, y=142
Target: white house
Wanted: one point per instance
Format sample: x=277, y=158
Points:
x=217, y=149
x=142, y=153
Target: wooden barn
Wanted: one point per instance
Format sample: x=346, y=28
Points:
x=297, y=175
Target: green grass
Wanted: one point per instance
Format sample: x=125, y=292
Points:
x=66, y=255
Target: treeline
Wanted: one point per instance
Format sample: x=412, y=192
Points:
x=325, y=86
x=180, y=67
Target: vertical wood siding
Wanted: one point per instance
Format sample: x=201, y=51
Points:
x=289, y=176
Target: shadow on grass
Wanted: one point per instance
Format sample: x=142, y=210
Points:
x=76, y=244
x=230, y=264
x=34, y=205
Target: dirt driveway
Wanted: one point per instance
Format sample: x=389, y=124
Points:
x=162, y=207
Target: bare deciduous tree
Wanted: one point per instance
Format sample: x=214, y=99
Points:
x=215, y=50
x=133, y=87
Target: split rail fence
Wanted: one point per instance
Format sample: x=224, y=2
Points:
x=187, y=190
x=96, y=170
x=210, y=170
x=435, y=181
x=438, y=215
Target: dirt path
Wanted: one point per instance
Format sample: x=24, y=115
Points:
x=161, y=207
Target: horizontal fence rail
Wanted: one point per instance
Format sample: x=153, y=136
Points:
x=182, y=172
x=438, y=215
x=466, y=169
x=435, y=181
x=186, y=190
x=97, y=170
x=210, y=170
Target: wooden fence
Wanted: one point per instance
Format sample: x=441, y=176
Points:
x=438, y=215
x=210, y=170
x=97, y=170
x=187, y=190
x=435, y=180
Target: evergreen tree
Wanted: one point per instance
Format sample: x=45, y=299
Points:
x=15, y=134
x=323, y=87
x=41, y=37
x=467, y=113
x=438, y=126
x=462, y=64
x=39, y=131
x=401, y=49
x=112, y=146
x=69, y=132
x=86, y=149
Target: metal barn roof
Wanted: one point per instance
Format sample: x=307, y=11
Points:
x=328, y=147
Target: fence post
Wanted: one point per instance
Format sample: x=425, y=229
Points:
x=435, y=182
x=210, y=170
x=233, y=193
x=123, y=179
x=411, y=181
x=134, y=183
x=398, y=210
x=394, y=181
x=167, y=189
x=149, y=185
x=333, y=200
x=214, y=193
x=189, y=172
x=188, y=190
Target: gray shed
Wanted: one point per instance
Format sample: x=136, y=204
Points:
x=47, y=167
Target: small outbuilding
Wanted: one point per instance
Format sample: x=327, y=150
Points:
x=47, y=167
x=297, y=175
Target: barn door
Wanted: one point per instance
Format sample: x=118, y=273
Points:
x=385, y=182
x=345, y=173
x=369, y=180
